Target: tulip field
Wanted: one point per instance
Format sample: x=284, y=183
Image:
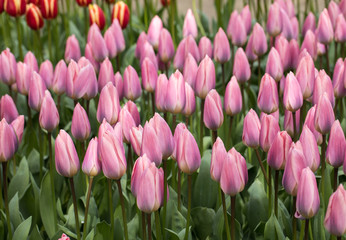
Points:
x=134, y=120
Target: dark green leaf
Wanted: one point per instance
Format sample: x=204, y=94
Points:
x=22, y=231
x=20, y=181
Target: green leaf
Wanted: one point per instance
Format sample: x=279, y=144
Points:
x=203, y=221
x=35, y=234
x=273, y=229
x=15, y=215
x=22, y=231
x=20, y=181
x=103, y=231
x=34, y=161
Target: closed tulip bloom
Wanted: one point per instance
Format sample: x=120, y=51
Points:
x=274, y=65
x=46, y=73
x=310, y=149
x=166, y=46
x=190, y=70
x=294, y=165
x=49, y=115
x=294, y=53
x=241, y=69
x=251, y=56
x=112, y=154
x=293, y=97
x=324, y=116
x=278, y=151
x=71, y=79
x=175, y=98
x=177, y=132
x=251, y=129
x=342, y=6
x=96, y=16
x=23, y=76
x=308, y=199
x=190, y=25
x=127, y=123
x=31, y=61
x=15, y=8
x=133, y=110
x=236, y=30
x=140, y=42
x=268, y=98
x=59, y=78
x=108, y=107
x=149, y=75
x=49, y=8
x=190, y=101
x=132, y=86
x=338, y=79
x=83, y=3
x=80, y=126
x=141, y=164
x=98, y=46
x=90, y=57
x=150, y=143
x=150, y=189
x=160, y=92
x=154, y=31
x=36, y=91
x=283, y=48
x=324, y=31
x=205, y=79
x=218, y=157
x=8, y=67
x=335, y=153
x=66, y=157
x=334, y=220
x=91, y=164
x=269, y=128
x=310, y=123
x=187, y=153
x=119, y=84
x=222, y=50
x=234, y=175
x=8, y=140
x=309, y=23
x=205, y=47
x=213, y=114
x=72, y=50
x=18, y=127
x=136, y=134
x=340, y=29
x=287, y=28
x=274, y=23
x=186, y=46
x=85, y=86
x=246, y=17
x=305, y=75
x=288, y=122
x=333, y=12
x=106, y=74
x=121, y=12
x=233, y=102
x=148, y=52
x=260, y=44
x=323, y=84
x=8, y=108
x=114, y=39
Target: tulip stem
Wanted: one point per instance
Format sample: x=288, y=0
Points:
x=327, y=58
x=232, y=58
x=233, y=217
x=29, y=111
x=75, y=207
x=4, y=174
x=306, y=236
x=335, y=178
x=123, y=209
x=189, y=180
x=259, y=67
x=323, y=163
x=87, y=107
x=129, y=158
x=225, y=216
x=86, y=21
x=51, y=173
x=19, y=35
x=294, y=220
x=144, y=231
x=110, y=203
x=164, y=193
x=276, y=188
x=157, y=223
x=294, y=126
x=335, y=52
x=149, y=226
x=338, y=237
x=87, y=208
x=214, y=133
x=174, y=122
x=223, y=76
x=269, y=192
x=261, y=165
x=230, y=131
x=179, y=190
x=201, y=127
x=153, y=102
x=118, y=62
x=49, y=39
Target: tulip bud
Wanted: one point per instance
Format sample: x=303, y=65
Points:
x=177, y=132
x=149, y=75
x=233, y=99
x=132, y=86
x=268, y=97
x=187, y=153
x=324, y=31
x=190, y=26
x=8, y=67
x=141, y=164
x=335, y=153
x=251, y=129
x=274, y=65
x=59, y=79
x=205, y=78
x=136, y=134
x=323, y=84
x=114, y=39
x=160, y=92
x=310, y=123
x=154, y=31
x=234, y=175
x=186, y=46
x=108, y=107
x=90, y=57
x=36, y=91
x=287, y=28
x=218, y=157
x=15, y=8
x=49, y=8
x=148, y=52
x=8, y=140
x=190, y=70
x=246, y=17
x=288, y=122
x=274, y=23
x=83, y=3
x=23, y=76
x=80, y=126
x=236, y=29
x=309, y=23
x=30, y=61
x=282, y=46
x=46, y=73
x=205, y=47
x=85, y=86
x=112, y=155
x=175, y=98
x=340, y=29
x=8, y=109
x=98, y=46
x=106, y=74
x=97, y=16
x=260, y=45
x=119, y=84
x=294, y=53
x=338, y=79
x=190, y=101
x=251, y=56
x=307, y=205
x=333, y=12
x=150, y=143
x=222, y=50
x=140, y=42
x=324, y=116
x=91, y=164
x=165, y=46
x=213, y=114
x=72, y=50
x=49, y=115
x=127, y=123
x=310, y=149
x=278, y=151
x=241, y=69
x=34, y=17
x=293, y=97
x=18, y=127
x=269, y=128
x=121, y=12
x=306, y=76
x=66, y=157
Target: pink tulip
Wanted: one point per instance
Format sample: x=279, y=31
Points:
x=283, y=48
x=293, y=97
x=64, y=237
x=119, y=84
x=66, y=157
x=91, y=164
x=279, y=150
x=190, y=70
x=30, y=61
x=260, y=44
x=80, y=126
x=213, y=114
x=333, y=12
x=186, y=46
x=310, y=123
x=8, y=67
x=72, y=50
x=148, y=52
x=340, y=29
x=49, y=115
x=23, y=76
x=46, y=73
x=251, y=56
x=36, y=91
x=269, y=128
x=166, y=46
x=288, y=122
x=251, y=129
x=8, y=109
x=309, y=23
x=136, y=139
x=294, y=53
x=177, y=132
x=310, y=149
x=335, y=153
x=150, y=144
x=274, y=65
x=141, y=164
x=118, y=37
x=241, y=69
x=89, y=55
x=98, y=46
x=190, y=101
x=85, y=84
x=246, y=16
x=111, y=43
x=236, y=29
x=175, y=98
x=338, y=79
x=222, y=50
x=306, y=76
x=190, y=26
x=324, y=31
x=18, y=127
x=106, y=74
x=295, y=27
x=140, y=42
x=205, y=79
x=205, y=47
x=268, y=98
x=218, y=157
x=8, y=140
x=274, y=23
x=154, y=31
x=324, y=116
x=127, y=123
x=108, y=107
x=149, y=75
x=160, y=92
x=308, y=199
x=323, y=84
x=59, y=78
x=342, y=6
x=132, y=86
x=233, y=102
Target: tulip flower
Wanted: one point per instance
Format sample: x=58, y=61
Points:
x=278, y=151
x=246, y=17
x=333, y=12
x=119, y=84
x=160, y=92
x=222, y=50
x=150, y=143
x=8, y=67
x=177, y=132
x=46, y=73
x=323, y=84
x=108, y=107
x=132, y=86
x=114, y=39
x=310, y=149
x=190, y=101
x=66, y=157
x=154, y=31
x=338, y=79
x=106, y=74
x=305, y=75
x=49, y=115
x=34, y=17
x=18, y=127
x=268, y=98
x=288, y=122
x=241, y=69
x=218, y=157
x=287, y=28
x=308, y=199
x=309, y=24
x=213, y=114
x=9, y=142
x=334, y=221
x=59, y=78
x=274, y=65
x=127, y=123
x=294, y=53
x=233, y=98
x=269, y=129
x=148, y=52
x=205, y=47
x=310, y=123
x=190, y=26
x=236, y=29
x=293, y=97
x=36, y=91
x=72, y=50
x=175, y=98
x=49, y=8
x=31, y=61
x=251, y=129
x=282, y=46
x=140, y=42
x=340, y=29
x=98, y=46
x=190, y=70
x=97, y=16
x=91, y=164
x=324, y=116
x=141, y=164
x=80, y=126
x=274, y=23
x=205, y=78
x=234, y=175
x=260, y=44
x=186, y=46
x=15, y=8
x=8, y=109
x=335, y=153
x=84, y=3
x=149, y=75
x=85, y=84
x=121, y=12
x=251, y=56
x=23, y=76
x=136, y=139
x=165, y=46
x=164, y=134
x=324, y=31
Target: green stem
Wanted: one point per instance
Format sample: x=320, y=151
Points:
x=259, y=66
x=118, y=62
x=230, y=131
x=198, y=20
x=29, y=111
x=129, y=159
x=294, y=126
x=189, y=180
x=335, y=52
x=179, y=190
x=164, y=193
x=232, y=57
x=149, y=226
x=323, y=163
x=327, y=58
x=306, y=237
x=153, y=102
x=1, y=201
x=75, y=208
x=223, y=76
x=41, y=137
x=276, y=188
x=261, y=165
x=49, y=39
x=146, y=13
x=110, y=203
x=87, y=208
x=144, y=231
x=19, y=34
x=86, y=21
x=335, y=178
x=294, y=220
x=4, y=30
x=157, y=224
x=52, y=173
x=218, y=4
x=233, y=217
x=123, y=209
x=269, y=193
x=4, y=174
x=201, y=127
x=225, y=215
x=14, y=165
x=214, y=136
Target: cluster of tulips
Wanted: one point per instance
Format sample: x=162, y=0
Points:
x=297, y=128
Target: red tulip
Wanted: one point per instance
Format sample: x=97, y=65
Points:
x=121, y=12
